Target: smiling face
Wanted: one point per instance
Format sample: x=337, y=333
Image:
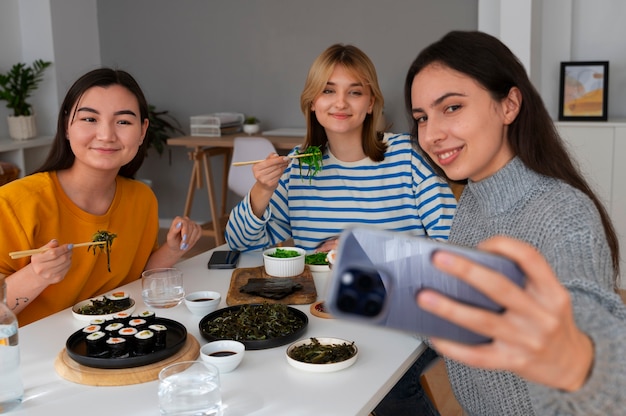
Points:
x=461, y=127
x=105, y=128
x=343, y=104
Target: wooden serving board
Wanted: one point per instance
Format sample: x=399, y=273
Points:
x=70, y=370
x=304, y=296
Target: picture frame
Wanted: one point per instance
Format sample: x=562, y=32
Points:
x=583, y=92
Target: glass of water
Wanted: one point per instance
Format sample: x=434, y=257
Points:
x=190, y=388
x=162, y=288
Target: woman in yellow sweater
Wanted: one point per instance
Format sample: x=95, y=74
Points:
x=86, y=185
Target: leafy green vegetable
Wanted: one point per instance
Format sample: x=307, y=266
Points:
x=316, y=259
x=281, y=253
x=254, y=322
x=313, y=162
x=102, y=306
x=108, y=238
x=316, y=353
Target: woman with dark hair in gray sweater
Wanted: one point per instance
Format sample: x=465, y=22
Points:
x=559, y=346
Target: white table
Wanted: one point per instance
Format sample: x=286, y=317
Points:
x=264, y=383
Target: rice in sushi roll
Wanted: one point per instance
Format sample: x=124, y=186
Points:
x=91, y=329
x=149, y=316
x=113, y=328
x=137, y=323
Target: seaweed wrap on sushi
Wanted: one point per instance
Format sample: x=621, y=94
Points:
x=120, y=300
x=144, y=342
x=118, y=347
x=160, y=334
x=96, y=344
x=138, y=323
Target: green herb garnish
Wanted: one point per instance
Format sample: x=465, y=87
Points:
x=317, y=259
x=281, y=253
x=106, y=237
x=314, y=161
x=254, y=322
x=316, y=353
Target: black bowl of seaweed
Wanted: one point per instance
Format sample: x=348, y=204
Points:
x=257, y=326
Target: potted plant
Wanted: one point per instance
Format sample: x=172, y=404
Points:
x=15, y=87
x=251, y=125
x=162, y=126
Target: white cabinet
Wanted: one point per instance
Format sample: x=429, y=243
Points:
x=600, y=148
x=28, y=154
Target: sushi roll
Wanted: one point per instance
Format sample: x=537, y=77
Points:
x=120, y=300
x=128, y=334
x=118, y=347
x=144, y=342
x=122, y=317
x=137, y=323
x=96, y=344
x=97, y=321
x=160, y=335
x=149, y=316
x=113, y=328
x=91, y=329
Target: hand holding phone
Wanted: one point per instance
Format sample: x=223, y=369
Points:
x=377, y=275
x=223, y=259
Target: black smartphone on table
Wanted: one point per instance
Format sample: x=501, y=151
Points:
x=223, y=259
x=377, y=275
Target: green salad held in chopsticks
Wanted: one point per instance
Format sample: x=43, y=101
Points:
x=108, y=238
x=313, y=160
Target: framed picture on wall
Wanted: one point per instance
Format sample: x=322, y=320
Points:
x=583, y=93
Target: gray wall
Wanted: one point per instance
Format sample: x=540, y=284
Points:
x=196, y=57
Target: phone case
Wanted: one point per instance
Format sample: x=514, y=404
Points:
x=377, y=275
x=224, y=259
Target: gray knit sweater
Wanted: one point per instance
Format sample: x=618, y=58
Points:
x=565, y=226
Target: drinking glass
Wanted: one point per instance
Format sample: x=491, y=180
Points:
x=190, y=388
x=162, y=288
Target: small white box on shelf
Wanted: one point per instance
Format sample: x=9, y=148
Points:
x=214, y=125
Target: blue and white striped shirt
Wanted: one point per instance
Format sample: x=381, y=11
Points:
x=401, y=193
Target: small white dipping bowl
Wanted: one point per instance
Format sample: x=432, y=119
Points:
x=203, y=302
x=283, y=266
x=224, y=354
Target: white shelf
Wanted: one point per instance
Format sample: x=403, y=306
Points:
x=26, y=154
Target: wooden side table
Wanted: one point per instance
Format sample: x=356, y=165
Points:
x=202, y=149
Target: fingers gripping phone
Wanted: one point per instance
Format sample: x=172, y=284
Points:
x=378, y=274
x=224, y=259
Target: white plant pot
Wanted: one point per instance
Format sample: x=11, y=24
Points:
x=251, y=128
x=22, y=127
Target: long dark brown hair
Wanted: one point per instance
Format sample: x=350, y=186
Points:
x=358, y=64
x=533, y=136
x=61, y=155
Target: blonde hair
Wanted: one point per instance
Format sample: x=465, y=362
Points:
x=361, y=67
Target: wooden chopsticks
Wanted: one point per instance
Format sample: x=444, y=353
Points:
x=26, y=253
x=252, y=162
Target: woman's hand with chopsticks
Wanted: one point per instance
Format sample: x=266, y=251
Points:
x=267, y=174
x=52, y=264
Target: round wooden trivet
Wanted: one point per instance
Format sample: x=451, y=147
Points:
x=317, y=309
x=70, y=370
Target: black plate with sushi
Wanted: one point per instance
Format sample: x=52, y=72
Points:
x=126, y=342
x=257, y=326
